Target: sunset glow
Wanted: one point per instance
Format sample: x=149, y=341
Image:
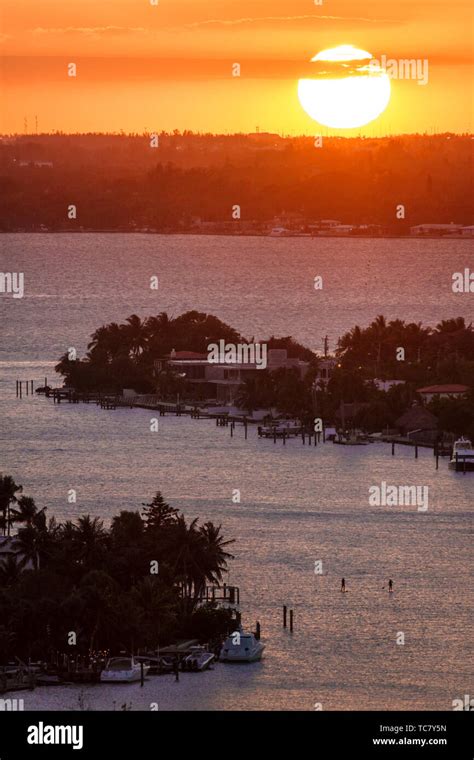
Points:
x=137, y=62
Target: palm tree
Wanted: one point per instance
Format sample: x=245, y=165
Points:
x=135, y=331
x=89, y=540
x=8, y=491
x=214, y=550
x=451, y=325
x=186, y=544
x=27, y=511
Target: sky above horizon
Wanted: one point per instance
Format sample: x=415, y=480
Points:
x=144, y=67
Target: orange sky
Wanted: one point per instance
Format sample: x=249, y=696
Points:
x=169, y=66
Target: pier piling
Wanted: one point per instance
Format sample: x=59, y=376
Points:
x=393, y=448
x=416, y=451
x=284, y=615
x=257, y=631
x=291, y=621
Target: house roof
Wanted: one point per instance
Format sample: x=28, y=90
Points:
x=417, y=418
x=449, y=388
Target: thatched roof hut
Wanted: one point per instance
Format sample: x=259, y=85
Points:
x=416, y=418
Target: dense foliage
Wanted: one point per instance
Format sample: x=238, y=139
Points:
x=133, y=585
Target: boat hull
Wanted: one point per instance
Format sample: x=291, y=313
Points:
x=254, y=656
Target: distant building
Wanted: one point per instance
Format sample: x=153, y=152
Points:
x=468, y=231
x=452, y=390
x=325, y=370
x=221, y=381
x=435, y=229
x=385, y=385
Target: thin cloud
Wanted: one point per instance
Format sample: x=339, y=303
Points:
x=92, y=30
x=286, y=19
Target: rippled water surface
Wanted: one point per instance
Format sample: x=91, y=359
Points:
x=299, y=504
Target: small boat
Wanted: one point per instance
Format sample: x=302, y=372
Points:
x=241, y=647
x=123, y=670
x=463, y=455
x=280, y=429
x=198, y=660
x=349, y=439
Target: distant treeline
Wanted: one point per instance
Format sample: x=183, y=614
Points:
x=120, y=182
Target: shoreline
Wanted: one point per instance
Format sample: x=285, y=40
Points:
x=235, y=234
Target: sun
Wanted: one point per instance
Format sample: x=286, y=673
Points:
x=349, y=88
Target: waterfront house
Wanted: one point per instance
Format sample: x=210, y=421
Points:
x=449, y=390
x=220, y=381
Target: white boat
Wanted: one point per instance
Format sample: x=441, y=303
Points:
x=279, y=429
x=241, y=647
x=198, y=660
x=123, y=670
x=463, y=455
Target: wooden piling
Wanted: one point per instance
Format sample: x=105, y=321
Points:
x=32, y=388
x=274, y=435
x=291, y=621
x=393, y=448
x=142, y=676
x=257, y=631
x=315, y=439
x=21, y=389
x=303, y=438
x=17, y=388
x=245, y=427
x=284, y=438
x=232, y=430
x=284, y=615
x=416, y=451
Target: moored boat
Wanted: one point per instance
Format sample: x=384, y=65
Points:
x=241, y=647
x=463, y=455
x=123, y=670
x=198, y=660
